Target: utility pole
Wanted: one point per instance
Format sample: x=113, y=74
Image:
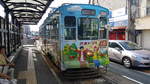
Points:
x=131, y=35
x=91, y=1
x=94, y=2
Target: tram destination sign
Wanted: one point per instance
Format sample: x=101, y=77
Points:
x=88, y=12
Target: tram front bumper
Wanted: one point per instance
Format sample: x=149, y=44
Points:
x=78, y=64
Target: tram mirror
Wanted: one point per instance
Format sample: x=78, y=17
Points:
x=108, y=27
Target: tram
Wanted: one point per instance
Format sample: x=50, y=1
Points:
x=76, y=36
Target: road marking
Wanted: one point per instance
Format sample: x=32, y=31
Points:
x=132, y=79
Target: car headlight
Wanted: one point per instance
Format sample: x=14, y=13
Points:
x=137, y=57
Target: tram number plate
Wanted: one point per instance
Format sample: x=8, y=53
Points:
x=88, y=12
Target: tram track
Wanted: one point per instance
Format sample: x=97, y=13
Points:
x=95, y=79
x=55, y=71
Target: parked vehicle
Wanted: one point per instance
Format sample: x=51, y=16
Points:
x=128, y=53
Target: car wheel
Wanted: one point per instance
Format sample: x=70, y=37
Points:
x=127, y=62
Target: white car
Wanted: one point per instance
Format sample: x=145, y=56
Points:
x=128, y=53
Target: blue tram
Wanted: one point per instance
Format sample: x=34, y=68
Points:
x=76, y=36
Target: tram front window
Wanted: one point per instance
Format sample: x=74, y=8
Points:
x=70, y=33
x=88, y=29
x=70, y=21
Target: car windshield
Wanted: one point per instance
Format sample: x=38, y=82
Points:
x=130, y=46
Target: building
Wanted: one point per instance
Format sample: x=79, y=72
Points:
x=26, y=30
x=119, y=24
x=111, y=4
x=142, y=23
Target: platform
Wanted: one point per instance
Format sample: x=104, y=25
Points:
x=31, y=68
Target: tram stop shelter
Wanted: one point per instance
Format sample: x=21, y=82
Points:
x=26, y=11
x=22, y=12
x=18, y=13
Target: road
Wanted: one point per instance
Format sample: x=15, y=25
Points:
x=134, y=74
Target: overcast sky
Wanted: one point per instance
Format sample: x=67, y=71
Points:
x=56, y=3
x=2, y=11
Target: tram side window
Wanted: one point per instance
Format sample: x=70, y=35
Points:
x=103, y=30
x=70, y=29
x=53, y=28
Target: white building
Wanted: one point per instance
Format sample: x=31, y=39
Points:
x=112, y=4
x=119, y=24
x=142, y=24
x=26, y=30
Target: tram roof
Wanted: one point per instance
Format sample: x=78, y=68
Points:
x=26, y=11
x=47, y=20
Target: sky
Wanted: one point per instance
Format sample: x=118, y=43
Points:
x=2, y=11
x=55, y=4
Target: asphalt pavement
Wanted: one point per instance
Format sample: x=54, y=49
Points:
x=133, y=74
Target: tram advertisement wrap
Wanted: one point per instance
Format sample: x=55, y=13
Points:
x=86, y=54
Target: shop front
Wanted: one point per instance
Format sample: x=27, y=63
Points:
x=118, y=30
